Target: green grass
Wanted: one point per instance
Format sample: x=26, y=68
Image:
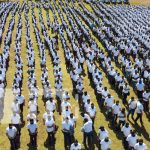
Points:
x=67, y=84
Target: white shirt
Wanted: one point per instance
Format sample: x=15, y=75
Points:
x=20, y=99
x=132, y=104
x=102, y=134
x=32, y=127
x=45, y=115
x=109, y=101
x=15, y=119
x=126, y=131
x=66, y=125
x=15, y=107
x=137, y=146
x=32, y=105
x=11, y=132
x=139, y=108
x=105, y=145
x=51, y=106
x=73, y=147
x=92, y=112
x=87, y=127
x=132, y=140
x=116, y=108
x=49, y=125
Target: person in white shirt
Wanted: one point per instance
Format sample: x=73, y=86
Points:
x=32, y=129
x=92, y=112
x=140, y=88
x=66, y=112
x=15, y=106
x=126, y=130
x=116, y=109
x=75, y=146
x=11, y=133
x=46, y=114
x=50, y=128
x=32, y=106
x=132, y=104
x=140, y=145
x=132, y=140
x=73, y=120
x=87, y=105
x=16, y=121
x=87, y=130
x=67, y=131
x=102, y=134
x=109, y=101
x=105, y=144
x=21, y=101
x=51, y=105
x=146, y=97
x=139, y=111
x=121, y=118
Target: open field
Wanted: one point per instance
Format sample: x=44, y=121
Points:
x=67, y=84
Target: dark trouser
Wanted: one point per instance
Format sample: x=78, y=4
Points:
x=51, y=138
x=21, y=107
x=131, y=111
x=33, y=139
x=121, y=123
x=114, y=119
x=13, y=144
x=146, y=106
x=18, y=128
x=139, y=94
x=89, y=137
x=67, y=139
x=125, y=98
x=139, y=116
x=125, y=142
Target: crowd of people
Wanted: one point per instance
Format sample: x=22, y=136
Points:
x=124, y=34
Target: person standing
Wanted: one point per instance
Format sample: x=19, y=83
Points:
x=87, y=130
x=50, y=127
x=140, y=88
x=126, y=130
x=132, y=140
x=139, y=111
x=32, y=128
x=116, y=109
x=146, y=97
x=11, y=133
x=131, y=107
x=66, y=128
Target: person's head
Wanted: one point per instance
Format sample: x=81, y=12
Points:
x=123, y=110
x=92, y=105
x=109, y=95
x=106, y=139
x=85, y=120
x=133, y=133
x=82, y=114
x=88, y=101
x=67, y=108
x=140, y=141
x=67, y=119
x=10, y=126
x=76, y=143
x=51, y=99
x=132, y=98
x=117, y=102
x=102, y=128
x=71, y=115
x=31, y=121
x=127, y=125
